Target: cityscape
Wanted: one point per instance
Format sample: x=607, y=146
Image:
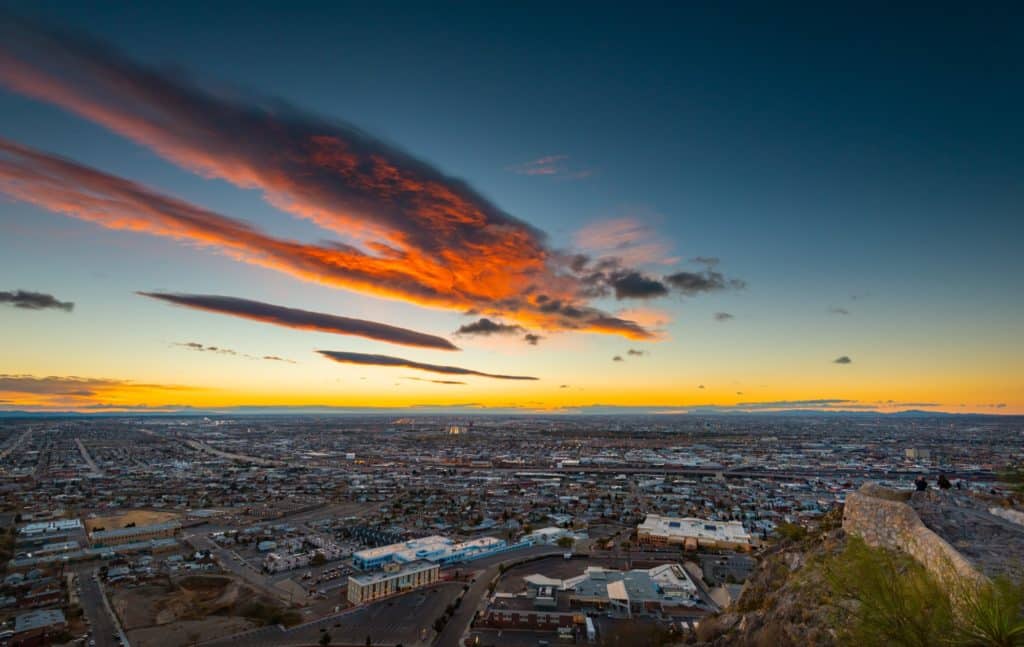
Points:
x=448, y=324
x=486, y=530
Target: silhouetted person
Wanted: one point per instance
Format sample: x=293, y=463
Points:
x=960, y=484
x=920, y=484
x=944, y=483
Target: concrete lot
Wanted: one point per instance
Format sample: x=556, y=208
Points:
x=514, y=637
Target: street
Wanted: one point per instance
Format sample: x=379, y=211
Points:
x=100, y=621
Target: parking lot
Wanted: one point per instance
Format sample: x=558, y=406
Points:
x=405, y=619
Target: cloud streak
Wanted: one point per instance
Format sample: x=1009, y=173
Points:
x=364, y=359
x=406, y=230
x=34, y=301
x=303, y=319
x=445, y=382
x=550, y=166
x=219, y=350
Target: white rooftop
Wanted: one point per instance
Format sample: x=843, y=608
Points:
x=731, y=531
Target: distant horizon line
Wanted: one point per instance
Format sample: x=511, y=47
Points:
x=428, y=410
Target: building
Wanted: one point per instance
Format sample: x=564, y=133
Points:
x=50, y=527
x=692, y=533
x=37, y=627
x=662, y=591
x=395, y=578
x=550, y=536
x=435, y=548
x=918, y=454
x=134, y=534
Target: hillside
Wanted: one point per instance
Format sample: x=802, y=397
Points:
x=875, y=573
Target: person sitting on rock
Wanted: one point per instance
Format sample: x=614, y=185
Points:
x=920, y=484
x=944, y=482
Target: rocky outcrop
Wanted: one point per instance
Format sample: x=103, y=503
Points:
x=885, y=518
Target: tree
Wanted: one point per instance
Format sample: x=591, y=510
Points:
x=565, y=542
x=325, y=639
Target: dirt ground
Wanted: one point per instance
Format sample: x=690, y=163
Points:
x=202, y=605
x=140, y=517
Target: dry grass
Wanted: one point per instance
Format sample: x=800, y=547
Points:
x=138, y=517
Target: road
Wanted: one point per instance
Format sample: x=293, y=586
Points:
x=97, y=611
x=200, y=446
x=736, y=472
x=241, y=569
x=88, y=458
x=458, y=625
x=15, y=445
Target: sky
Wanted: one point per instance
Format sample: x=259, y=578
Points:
x=579, y=207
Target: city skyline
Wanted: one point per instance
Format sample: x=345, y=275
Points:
x=458, y=211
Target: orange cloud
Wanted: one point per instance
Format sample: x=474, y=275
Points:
x=407, y=230
x=116, y=203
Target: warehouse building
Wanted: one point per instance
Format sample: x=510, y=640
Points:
x=692, y=533
x=134, y=534
x=435, y=548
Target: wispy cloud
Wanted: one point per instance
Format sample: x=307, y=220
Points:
x=836, y=310
x=303, y=319
x=343, y=357
x=724, y=316
x=636, y=352
x=220, y=350
x=34, y=301
x=628, y=239
x=551, y=166
x=446, y=382
x=842, y=359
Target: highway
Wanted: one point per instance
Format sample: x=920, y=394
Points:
x=736, y=472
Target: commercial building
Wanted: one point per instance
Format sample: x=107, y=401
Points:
x=692, y=533
x=134, y=534
x=394, y=578
x=435, y=548
x=37, y=627
x=662, y=591
x=49, y=527
x=656, y=591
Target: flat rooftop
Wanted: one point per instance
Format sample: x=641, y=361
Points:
x=405, y=569
x=730, y=531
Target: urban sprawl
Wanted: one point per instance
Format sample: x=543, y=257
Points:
x=486, y=530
